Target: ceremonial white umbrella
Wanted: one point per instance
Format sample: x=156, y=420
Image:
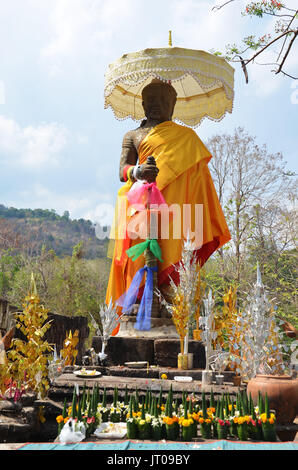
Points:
x=204, y=83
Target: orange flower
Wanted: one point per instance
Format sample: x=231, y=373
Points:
x=168, y=420
x=59, y=419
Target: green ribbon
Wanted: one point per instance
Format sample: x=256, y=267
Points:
x=135, y=251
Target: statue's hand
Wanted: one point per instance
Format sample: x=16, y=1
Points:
x=147, y=172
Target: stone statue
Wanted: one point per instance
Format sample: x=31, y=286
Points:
x=159, y=99
x=181, y=174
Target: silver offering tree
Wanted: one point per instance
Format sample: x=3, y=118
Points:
x=105, y=322
x=188, y=278
x=263, y=347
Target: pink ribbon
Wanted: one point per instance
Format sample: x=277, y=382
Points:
x=145, y=194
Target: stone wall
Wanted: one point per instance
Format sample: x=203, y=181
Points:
x=61, y=325
x=6, y=316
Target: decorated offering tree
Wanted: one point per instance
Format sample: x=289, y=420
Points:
x=263, y=348
x=185, y=297
x=69, y=351
x=106, y=321
x=28, y=359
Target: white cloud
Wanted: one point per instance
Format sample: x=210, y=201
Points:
x=32, y=146
x=198, y=26
x=84, y=28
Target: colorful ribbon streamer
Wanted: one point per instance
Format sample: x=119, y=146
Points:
x=127, y=300
x=135, y=251
x=145, y=194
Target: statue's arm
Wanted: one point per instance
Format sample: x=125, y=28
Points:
x=129, y=155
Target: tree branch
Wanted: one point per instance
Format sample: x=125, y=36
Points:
x=270, y=43
x=218, y=7
x=287, y=52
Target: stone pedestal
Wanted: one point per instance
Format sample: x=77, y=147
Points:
x=162, y=352
x=160, y=327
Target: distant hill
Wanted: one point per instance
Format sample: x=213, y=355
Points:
x=44, y=227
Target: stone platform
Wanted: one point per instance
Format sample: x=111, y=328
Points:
x=21, y=422
x=140, y=379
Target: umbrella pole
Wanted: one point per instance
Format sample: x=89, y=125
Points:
x=150, y=259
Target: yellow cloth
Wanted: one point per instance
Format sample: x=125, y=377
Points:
x=183, y=178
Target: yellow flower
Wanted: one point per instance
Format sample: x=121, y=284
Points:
x=164, y=376
x=186, y=422
x=59, y=419
x=271, y=420
x=240, y=420
x=142, y=422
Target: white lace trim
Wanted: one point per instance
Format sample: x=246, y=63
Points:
x=121, y=117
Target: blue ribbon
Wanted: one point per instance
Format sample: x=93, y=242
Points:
x=127, y=300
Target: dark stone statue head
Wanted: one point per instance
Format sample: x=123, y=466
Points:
x=159, y=99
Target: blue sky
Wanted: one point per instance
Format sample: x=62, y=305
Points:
x=59, y=148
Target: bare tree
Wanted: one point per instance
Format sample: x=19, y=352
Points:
x=247, y=176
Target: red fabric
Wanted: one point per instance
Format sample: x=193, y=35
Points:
x=125, y=170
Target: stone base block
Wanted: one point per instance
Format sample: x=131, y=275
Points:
x=157, y=351
x=120, y=350
x=166, y=352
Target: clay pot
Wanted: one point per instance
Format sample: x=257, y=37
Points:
x=282, y=391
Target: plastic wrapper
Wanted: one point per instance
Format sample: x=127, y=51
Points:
x=72, y=432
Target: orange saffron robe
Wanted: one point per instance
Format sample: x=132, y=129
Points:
x=183, y=178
